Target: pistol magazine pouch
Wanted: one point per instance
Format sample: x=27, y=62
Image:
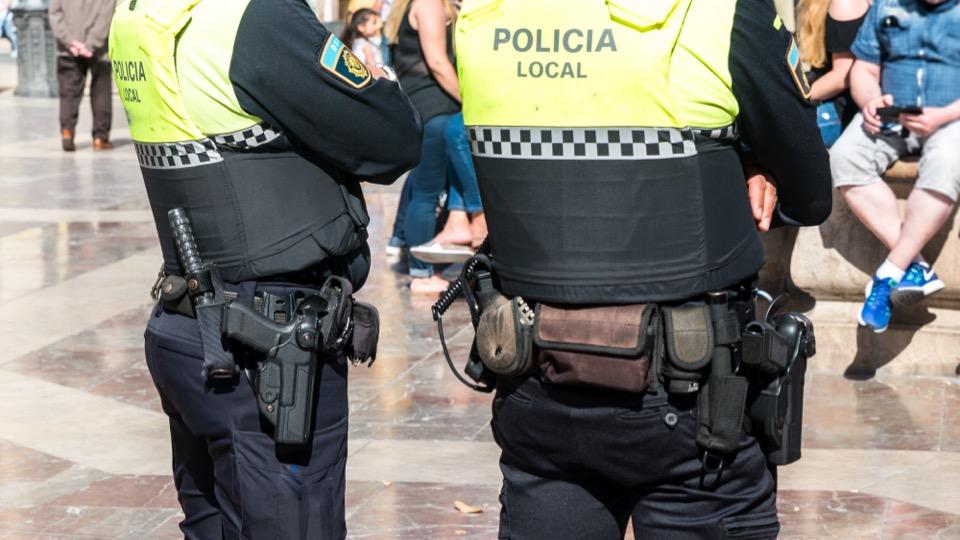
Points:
x=366, y=334
x=689, y=346
x=607, y=347
x=505, y=336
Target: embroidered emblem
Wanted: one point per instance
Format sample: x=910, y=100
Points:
x=354, y=65
x=339, y=60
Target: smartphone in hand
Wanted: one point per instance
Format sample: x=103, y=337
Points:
x=894, y=111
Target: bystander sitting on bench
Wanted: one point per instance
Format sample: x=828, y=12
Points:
x=906, y=80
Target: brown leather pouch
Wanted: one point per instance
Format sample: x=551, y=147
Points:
x=607, y=347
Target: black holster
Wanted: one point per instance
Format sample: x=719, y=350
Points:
x=755, y=373
x=778, y=351
x=291, y=338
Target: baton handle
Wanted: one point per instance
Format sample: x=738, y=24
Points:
x=185, y=240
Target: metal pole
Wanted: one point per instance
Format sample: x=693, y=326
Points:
x=37, y=54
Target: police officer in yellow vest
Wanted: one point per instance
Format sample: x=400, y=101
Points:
x=610, y=138
x=257, y=122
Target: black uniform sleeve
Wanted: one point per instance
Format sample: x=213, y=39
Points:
x=362, y=126
x=777, y=122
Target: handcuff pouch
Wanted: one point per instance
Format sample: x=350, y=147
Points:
x=366, y=334
x=505, y=336
x=764, y=348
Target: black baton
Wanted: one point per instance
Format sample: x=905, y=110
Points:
x=202, y=284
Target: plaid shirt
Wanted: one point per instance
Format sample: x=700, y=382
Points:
x=917, y=47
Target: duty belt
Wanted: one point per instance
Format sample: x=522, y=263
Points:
x=739, y=366
x=171, y=291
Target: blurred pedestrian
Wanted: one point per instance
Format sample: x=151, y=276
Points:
x=466, y=226
x=7, y=28
x=826, y=33
x=420, y=33
x=81, y=28
x=363, y=34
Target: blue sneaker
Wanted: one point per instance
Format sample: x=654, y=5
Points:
x=919, y=282
x=876, y=311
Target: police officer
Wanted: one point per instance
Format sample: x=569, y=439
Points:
x=609, y=139
x=259, y=123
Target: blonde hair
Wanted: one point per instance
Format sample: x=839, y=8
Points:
x=811, y=31
x=399, y=10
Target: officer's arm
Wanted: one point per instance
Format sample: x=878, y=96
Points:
x=363, y=126
x=777, y=122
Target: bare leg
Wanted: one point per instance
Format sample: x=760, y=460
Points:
x=456, y=230
x=927, y=211
x=432, y=285
x=875, y=205
x=478, y=229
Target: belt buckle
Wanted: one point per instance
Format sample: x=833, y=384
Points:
x=158, y=285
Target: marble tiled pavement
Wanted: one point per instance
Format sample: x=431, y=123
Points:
x=83, y=444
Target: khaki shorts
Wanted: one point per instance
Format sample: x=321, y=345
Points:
x=859, y=159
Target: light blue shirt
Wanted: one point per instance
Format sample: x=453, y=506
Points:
x=917, y=46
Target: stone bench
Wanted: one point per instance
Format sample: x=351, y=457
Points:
x=826, y=269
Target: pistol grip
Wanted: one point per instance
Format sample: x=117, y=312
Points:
x=243, y=324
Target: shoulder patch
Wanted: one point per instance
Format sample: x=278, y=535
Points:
x=339, y=60
x=796, y=69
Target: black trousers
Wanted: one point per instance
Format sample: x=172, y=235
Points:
x=231, y=479
x=72, y=77
x=579, y=463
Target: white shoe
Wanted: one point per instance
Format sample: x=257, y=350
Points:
x=435, y=253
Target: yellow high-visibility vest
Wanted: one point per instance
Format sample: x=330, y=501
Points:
x=169, y=98
x=579, y=63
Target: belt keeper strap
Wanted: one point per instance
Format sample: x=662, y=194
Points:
x=201, y=282
x=727, y=330
x=721, y=408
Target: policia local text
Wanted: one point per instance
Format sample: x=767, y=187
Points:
x=571, y=41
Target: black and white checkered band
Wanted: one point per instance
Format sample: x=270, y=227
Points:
x=613, y=143
x=177, y=155
x=728, y=133
x=251, y=137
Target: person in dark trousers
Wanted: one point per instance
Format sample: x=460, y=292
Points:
x=612, y=141
x=81, y=28
x=259, y=124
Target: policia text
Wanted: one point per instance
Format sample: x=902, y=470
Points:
x=571, y=41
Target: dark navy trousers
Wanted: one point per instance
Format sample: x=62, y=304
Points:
x=232, y=481
x=579, y=463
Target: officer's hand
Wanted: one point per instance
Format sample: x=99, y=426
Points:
x=872, y=122
x=762, y=191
